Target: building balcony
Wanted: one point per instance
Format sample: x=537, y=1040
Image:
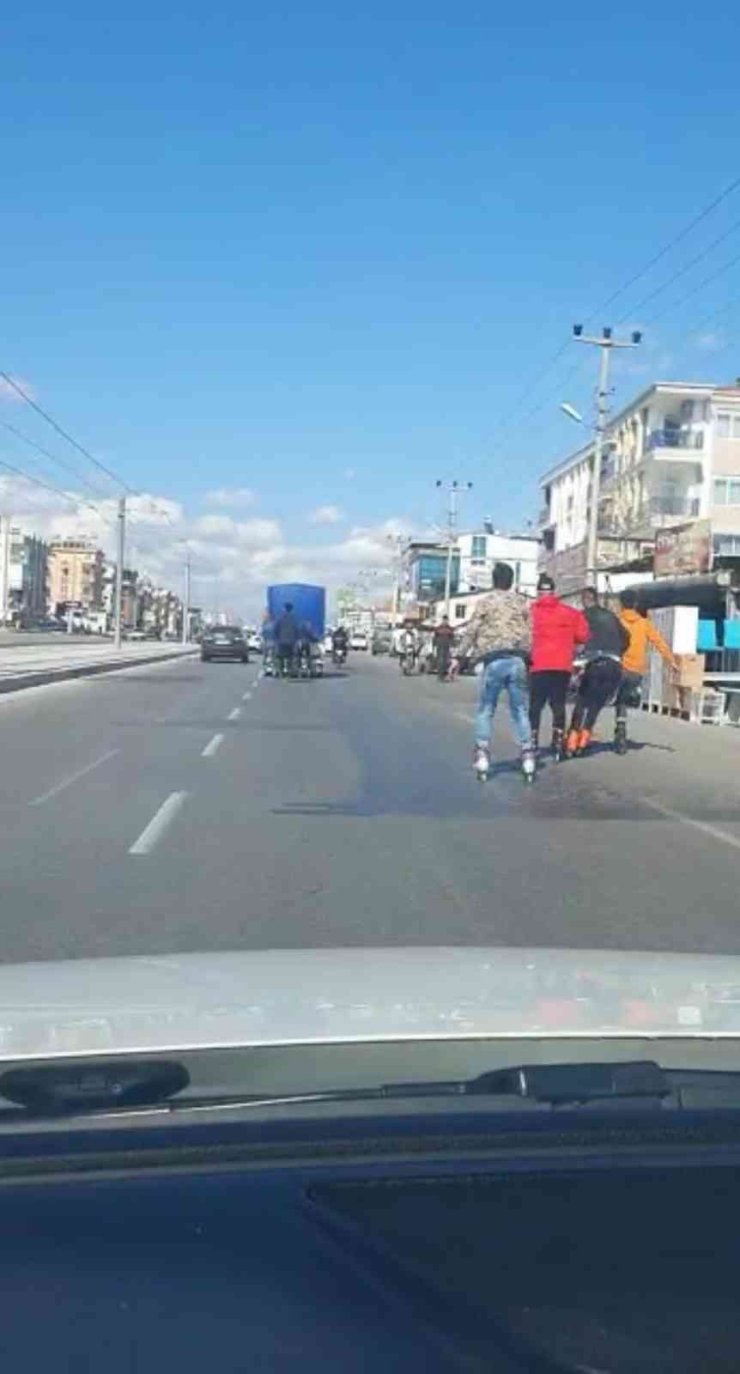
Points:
x=673, y=508
x=675, y=444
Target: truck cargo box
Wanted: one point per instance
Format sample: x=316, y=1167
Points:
x=309, y=603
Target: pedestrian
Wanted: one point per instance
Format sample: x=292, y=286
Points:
x=498, y=636
x=443, y=640
x=268, y=643
x=642, y=634
x=556, y=630
x=287, y=635
x=602, y=673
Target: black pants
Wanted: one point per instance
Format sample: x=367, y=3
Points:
x=600, y=681
x=629, y=692
x=443, y=660
x=286, y=659
x=548, y=688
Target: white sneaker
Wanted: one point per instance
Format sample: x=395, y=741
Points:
x=481, y=761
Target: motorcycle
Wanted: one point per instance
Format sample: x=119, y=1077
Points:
x=408, y=661
x=339, y=656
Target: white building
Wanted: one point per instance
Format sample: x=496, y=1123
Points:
x=478, y=553
x=23, y=571
x=670, y=457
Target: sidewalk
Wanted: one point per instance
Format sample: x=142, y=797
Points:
x=33, y=665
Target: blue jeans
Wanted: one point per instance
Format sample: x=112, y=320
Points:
x=508, y=675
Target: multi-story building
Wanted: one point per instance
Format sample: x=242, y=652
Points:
x=23, y=559
x=478, y=553
x=671, y=456
x=424, y=571
x=473, y=558
x=75, y=573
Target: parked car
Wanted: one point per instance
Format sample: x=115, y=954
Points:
x=224, y=641
x=358, y=640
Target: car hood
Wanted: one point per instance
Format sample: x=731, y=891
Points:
x=335, y=996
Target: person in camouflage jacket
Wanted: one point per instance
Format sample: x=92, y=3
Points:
x=500, y=636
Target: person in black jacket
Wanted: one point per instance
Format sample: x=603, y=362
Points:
x=602, y=673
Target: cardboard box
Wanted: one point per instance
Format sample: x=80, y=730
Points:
x=691, y=669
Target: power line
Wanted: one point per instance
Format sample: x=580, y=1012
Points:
x=663, y=252
x=681, y=272
x=47, y=454
x=70, y=440
x=74, y=500
x=699, y=287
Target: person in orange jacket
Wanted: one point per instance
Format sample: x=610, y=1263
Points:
x=642, y=635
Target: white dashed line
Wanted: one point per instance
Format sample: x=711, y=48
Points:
x=235, y=714
x=247, y=696
x=73, y=777
x=716, y=833
x=212, y=746
x=158, y=824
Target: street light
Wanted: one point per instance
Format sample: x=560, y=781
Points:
x=571, y=412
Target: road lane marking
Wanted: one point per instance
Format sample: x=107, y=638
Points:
x=247, y=696
x=716, y=833
x=73, y=777
x=212, y=746
x=235, y=714
x=158, y=824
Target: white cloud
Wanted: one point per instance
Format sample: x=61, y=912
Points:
x=711, y=342
x=9, y=393
x=228, y=555
x=230, y=497
x=326, y=515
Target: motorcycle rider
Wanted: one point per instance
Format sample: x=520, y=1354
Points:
x=642, y=633
x=443, y=640
x=339, y=644
x=556, y=630
x=602, y=673
x=287, y=633
x=499, y=637
x=409, y=641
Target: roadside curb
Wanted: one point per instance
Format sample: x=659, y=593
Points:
x=47, y=675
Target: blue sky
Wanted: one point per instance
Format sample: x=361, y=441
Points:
x=321, y=251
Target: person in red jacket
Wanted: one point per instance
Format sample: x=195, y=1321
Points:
x=556, y=630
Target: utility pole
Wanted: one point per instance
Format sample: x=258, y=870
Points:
x=118, y=599
x=397, y=543
x=605, y=344
x=186, y=603
x=5, y=531
x=453, y=489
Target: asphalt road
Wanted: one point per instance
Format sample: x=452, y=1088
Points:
x=182, y=806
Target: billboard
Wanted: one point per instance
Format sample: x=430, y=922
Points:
x=684, y=549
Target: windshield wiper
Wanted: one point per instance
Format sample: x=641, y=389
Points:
x=135, y=1085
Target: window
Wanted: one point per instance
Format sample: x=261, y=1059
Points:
x=728, y=426
x=726, y=491
x=479, y=546
x=459, y=613
x=727, y=545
